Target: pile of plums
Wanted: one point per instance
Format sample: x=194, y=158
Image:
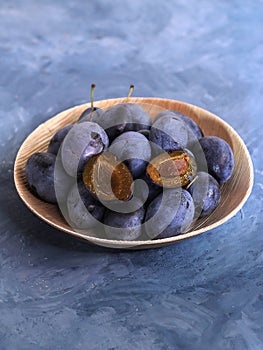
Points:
x=136, y=178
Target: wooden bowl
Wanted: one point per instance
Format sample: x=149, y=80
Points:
x=234, y=193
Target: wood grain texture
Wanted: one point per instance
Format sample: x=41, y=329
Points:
x=233, y=194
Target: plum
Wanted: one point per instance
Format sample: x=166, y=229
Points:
x=123, y=226
x=134, y=150
x=218, y=157
x=83, y=140
x=105, y=177
x=169, y=133
x=169, y=214
x=57, y=139
x=172, y=169
x=40, y=175
x=89, y=114
x=84, y=211
x=205, y=191
x=194, y=131
x=146, y=189
x=122, y=117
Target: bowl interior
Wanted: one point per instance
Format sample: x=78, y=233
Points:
x=234, y=193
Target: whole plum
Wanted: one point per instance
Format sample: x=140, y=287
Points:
x=123, y=226
x=134, y=150
x=84, y=210
x=194, y=131
x=218, y=157
x=205, y=191
x=122, y=117
x=40, y=175
x=169, y=214
x=57, y=139
x=83, y=141
x=169, y=133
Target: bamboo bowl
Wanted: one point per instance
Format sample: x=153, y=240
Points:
x=234, y=193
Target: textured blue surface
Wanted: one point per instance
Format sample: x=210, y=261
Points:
x=59, y=293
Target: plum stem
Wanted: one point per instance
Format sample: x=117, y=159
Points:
x=92, y=94
x=130, y=93
x=190, y=183
x=92, y=100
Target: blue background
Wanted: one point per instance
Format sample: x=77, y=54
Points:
x=59, y=293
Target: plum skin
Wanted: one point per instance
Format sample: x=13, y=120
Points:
x=121, y=118
x=194, y=131
x=57, y=139
x=131, y=223
x=169, y=133
x=40, y=175
x=153, y=189
x=84, y=211
x=175, y=214
x=134, y=149
x=205, y=191
x=86, y=114
x=82, y=141
x=218, y=156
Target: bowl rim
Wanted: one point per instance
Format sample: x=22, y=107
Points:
x=122, y=244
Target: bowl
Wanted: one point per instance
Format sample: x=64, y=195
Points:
x=234, y=192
